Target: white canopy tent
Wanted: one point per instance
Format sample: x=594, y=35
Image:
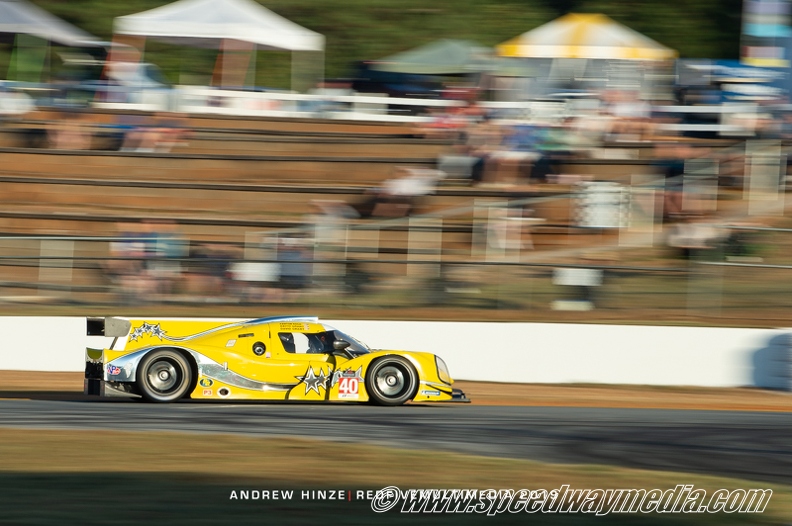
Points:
x=220, y=23
x=22, y=17
x=34, y=32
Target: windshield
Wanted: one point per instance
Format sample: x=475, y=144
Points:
x=355, y=346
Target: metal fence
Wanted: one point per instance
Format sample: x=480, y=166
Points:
x=744, y=279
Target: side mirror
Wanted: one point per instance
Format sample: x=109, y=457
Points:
x=340, y=345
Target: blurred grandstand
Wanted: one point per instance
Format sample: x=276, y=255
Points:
x=111, y=210
x=535, y=184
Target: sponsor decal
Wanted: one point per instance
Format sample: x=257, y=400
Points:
x=348, y=388
x=113, y=370
x=230, y=343
x=292, y=326
x=207, y=392
x=206, y=382
x=348, y=382
x=430, y=392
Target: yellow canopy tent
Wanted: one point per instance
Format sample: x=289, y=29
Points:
x=589, y=36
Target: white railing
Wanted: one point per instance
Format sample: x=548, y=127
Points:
x=733, y=119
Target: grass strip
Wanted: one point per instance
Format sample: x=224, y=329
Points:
x=119, y=478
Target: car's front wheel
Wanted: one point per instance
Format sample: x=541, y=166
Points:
x=391, y=381
x=163, y=376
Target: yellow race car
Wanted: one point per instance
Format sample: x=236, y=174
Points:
x=279, y=358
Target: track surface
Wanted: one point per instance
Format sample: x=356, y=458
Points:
x=748, y=445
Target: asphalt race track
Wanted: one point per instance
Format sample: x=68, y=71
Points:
x=749, y=445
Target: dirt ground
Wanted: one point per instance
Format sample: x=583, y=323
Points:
x=54, y=386
x=590, y=395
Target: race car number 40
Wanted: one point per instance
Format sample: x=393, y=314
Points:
x=348, y=388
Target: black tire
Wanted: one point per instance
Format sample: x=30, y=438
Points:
x=391, y=381
x=164, y=376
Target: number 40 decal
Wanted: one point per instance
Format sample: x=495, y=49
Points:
x=348, y=382
x=348, y=387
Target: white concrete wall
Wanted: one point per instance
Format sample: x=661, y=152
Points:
x=496, y=352
x=568, y=353
x=42, y=343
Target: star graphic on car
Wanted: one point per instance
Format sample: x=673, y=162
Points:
x=157, y=331
x=148, y=328
x=312, y=381
x=137, y=333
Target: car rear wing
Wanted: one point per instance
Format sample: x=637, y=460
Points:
x=109, y=326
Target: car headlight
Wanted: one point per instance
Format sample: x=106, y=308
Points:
x=442, y=371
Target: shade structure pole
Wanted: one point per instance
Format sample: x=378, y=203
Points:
x=307, y=70
x=293, y=70
x=322, y=66
x=253, y=57
x=233, y=63
x=217, y=74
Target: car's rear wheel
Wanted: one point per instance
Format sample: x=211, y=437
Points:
x=391, y=381
x=164, y=376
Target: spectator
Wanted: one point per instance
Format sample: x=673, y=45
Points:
x=165, y=249
x=295, y=264
x=693, y=238
x=397, y=197
x=209, y=270
x=127, y=263
x=480, y=140
x=444, y=123
x=632, y=116
x=671, y=158
x=69, y=132
x=159, y=134
x=552, y=149
x=511, y=154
